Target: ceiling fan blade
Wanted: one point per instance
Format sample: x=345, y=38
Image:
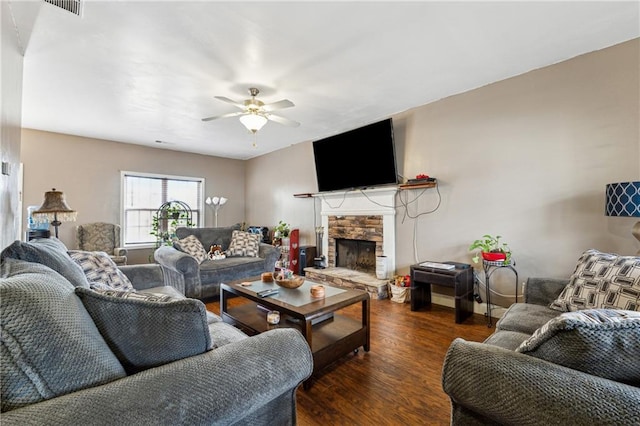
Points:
x=285, y=103
x=231, y=114
x=282, y=120
x=230, y=101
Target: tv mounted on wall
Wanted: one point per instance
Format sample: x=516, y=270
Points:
x=360, y=158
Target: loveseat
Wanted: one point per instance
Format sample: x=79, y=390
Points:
x=200, y=278
x=79, y=347
x=545, y=366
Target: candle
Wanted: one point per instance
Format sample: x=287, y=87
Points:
x=317, y=291
x=273, y=317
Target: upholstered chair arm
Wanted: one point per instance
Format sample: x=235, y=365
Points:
x=543, y=291
x=120, y=251
x=250, y=382
x=145, y=276
x=270, y=254
x=512, y=388
x=180, y=270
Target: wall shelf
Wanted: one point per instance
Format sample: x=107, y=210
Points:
x=402, y=187
x=420, y=185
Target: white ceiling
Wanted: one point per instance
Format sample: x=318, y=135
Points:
x=141, y=71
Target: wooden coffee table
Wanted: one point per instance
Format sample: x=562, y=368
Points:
x=330, y=335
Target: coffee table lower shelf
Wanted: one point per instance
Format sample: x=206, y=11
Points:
x=331, y=338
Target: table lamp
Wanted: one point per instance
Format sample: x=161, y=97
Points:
x=623, y=199
x=55, y=209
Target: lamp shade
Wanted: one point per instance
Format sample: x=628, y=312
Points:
x=55, y=207
x=253, y=122
x=623, y=199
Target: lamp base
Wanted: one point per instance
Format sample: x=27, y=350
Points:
x=636, y=233
x=55, y=224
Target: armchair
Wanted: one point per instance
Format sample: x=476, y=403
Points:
x=101, y=236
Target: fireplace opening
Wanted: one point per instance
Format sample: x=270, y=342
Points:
x=359, y=255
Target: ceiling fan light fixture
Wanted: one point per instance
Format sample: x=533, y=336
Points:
x=253, y=122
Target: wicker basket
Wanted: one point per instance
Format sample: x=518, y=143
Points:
x=294, y=282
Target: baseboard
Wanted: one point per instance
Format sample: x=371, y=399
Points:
x=478, y=308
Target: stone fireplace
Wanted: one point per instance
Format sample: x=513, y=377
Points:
x=358, y=226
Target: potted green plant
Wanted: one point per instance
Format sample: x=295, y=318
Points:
x=491, y=249
x=281, y=230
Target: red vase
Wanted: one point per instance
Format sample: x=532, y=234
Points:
x=494, y=257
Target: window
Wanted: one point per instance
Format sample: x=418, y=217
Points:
x=143, y=194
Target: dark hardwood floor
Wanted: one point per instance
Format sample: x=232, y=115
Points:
x=398, y=380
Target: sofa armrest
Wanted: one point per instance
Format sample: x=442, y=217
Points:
x=223, y=386
x=144, y=276
x=180, y=270
x=543, y=291
x=508, y=387
x=120, y=251
x=270, y=254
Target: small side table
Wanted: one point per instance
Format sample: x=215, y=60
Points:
x=489, y=268
x=460, y=279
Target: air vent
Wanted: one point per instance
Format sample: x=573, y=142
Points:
x=73, y=6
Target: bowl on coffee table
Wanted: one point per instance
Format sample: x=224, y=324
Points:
x=293, y=282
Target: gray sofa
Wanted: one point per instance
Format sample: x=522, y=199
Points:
x=492, y=383
x=202, y=280
x=62, y=362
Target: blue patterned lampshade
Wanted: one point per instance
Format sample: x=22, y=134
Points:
x=623, y=199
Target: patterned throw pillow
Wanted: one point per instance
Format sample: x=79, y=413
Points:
x=193, y=247
x=602, y=280
x=244, y=244
x=602, y=342
x=99, y=268
x=145, y=330
x=148, y=296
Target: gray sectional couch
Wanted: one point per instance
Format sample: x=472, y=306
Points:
x=202, y=280
x=586, y=372
x=72, y=353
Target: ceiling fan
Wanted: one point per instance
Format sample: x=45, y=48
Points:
x=256, y=113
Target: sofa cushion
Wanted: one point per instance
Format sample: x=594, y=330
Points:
x=192, y=246
x=145, y=330
x=507, y=339
x=525, y=318
x=223, y=334
x=231, y=269
x=171, y=291
x=602, y=342
x=49, y=346
x=220, y=236
x=244, y=244
x=602, y=280
x=99, y=268
x=50, y=252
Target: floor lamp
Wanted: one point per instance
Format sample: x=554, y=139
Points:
x=216, y=203
x=623, y=199
x=55, y=209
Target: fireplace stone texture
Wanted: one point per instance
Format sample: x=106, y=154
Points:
x=352, y=227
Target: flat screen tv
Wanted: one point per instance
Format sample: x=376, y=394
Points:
x=360, y=158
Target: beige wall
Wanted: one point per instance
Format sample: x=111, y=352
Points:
x=527, y=158
x=88, y=172
x=271, y=182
